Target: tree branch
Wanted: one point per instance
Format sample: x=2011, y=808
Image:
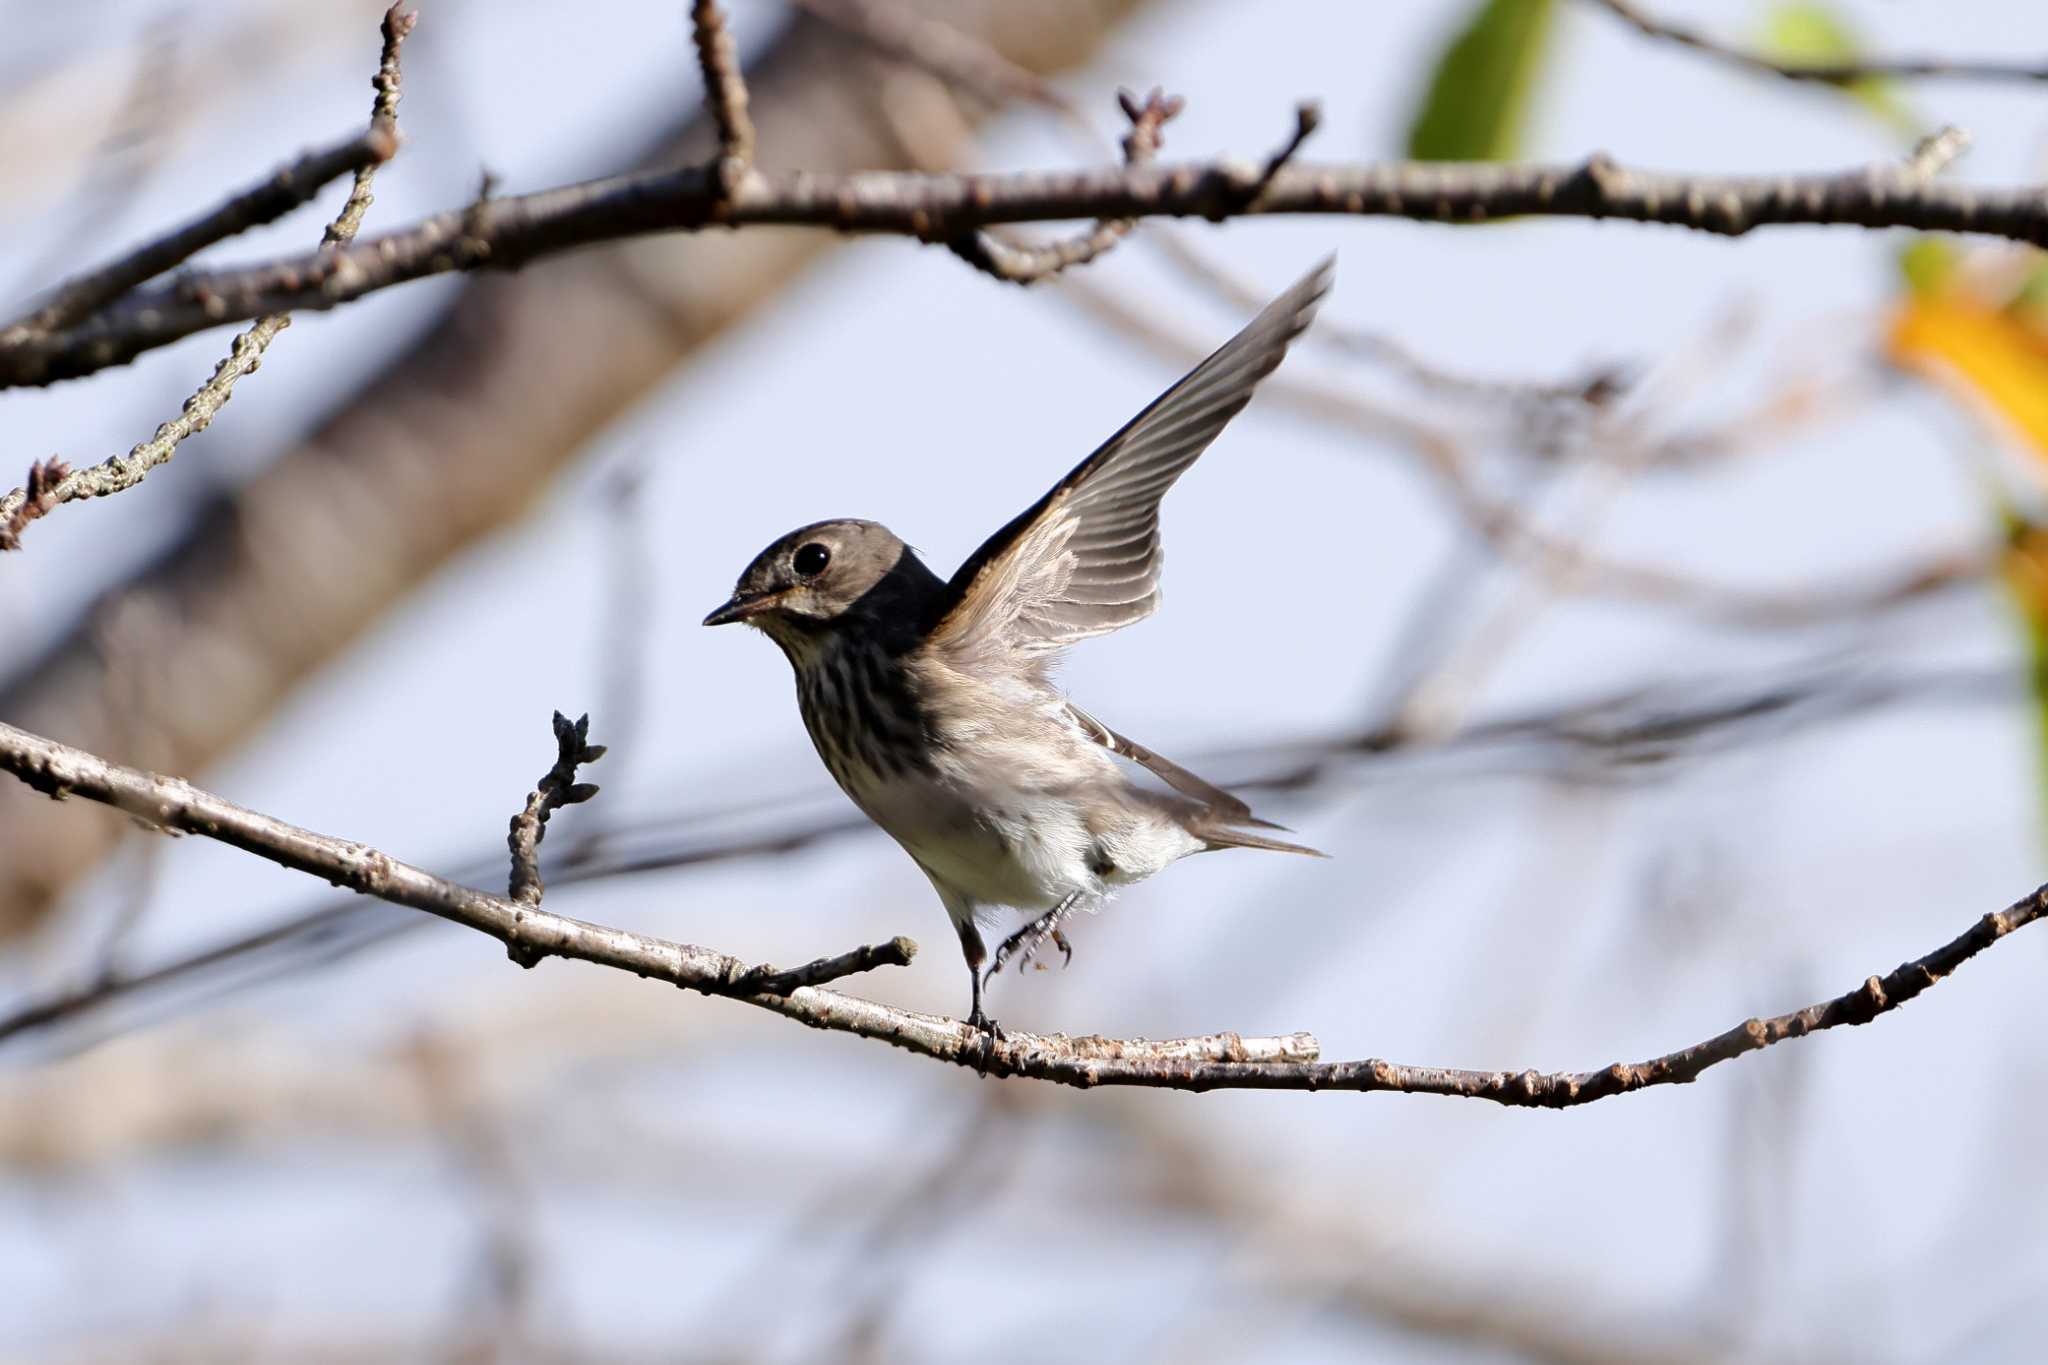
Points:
x=1020, y=264
x=558, y=788
x=1824, y=73
x=281, y=192
x=122, y=472
x=1211, y=1062
x=507, y=232
x=725, y=90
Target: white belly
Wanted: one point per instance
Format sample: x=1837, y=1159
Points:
x=1027, y=849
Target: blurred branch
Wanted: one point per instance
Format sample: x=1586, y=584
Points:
x=1216, y=1061
x=1512, y=535
x=1824, y=73
x=1594, y=388
x=123, y=472
x=957, y=56
x=509, y=232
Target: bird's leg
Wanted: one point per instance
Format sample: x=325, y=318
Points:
x=976, y=953
x=1066, y=949
x=1032, y=936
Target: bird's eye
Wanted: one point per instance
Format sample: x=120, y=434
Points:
x=811, y=559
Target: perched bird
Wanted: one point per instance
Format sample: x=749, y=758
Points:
x=931, y=700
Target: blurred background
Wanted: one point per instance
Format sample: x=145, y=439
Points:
x=1651, y=624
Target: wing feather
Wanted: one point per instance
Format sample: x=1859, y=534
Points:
x=1084, y=559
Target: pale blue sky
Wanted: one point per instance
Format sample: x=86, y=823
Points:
x=1475, y=920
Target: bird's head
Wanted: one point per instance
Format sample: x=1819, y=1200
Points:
x=826, y=576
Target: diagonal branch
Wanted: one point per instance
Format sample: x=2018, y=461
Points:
x=281, y=192
x=1823, y=73
x=120, y=472
x=512, y=230
x=1617, y=737
x=1216, y=1061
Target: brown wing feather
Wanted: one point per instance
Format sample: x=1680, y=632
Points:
x=1227, y=809
x=1223, y=819
x=1084, y=559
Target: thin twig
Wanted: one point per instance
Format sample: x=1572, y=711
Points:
x=718, y=57
x=1308, y=116
x=277, y=195
x=940, y=207
x=558, y=788
x=37, y=496
x=1018, y=263
x=1824, y=73
x=1500, y=522
x=764, y=980
x=1215, y=1061
x=120, y=472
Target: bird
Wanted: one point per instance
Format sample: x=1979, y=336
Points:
x=932, y=701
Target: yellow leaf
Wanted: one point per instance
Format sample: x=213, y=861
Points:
x=1981, y=352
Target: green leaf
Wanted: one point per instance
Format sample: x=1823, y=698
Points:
x=2030, y=301
x=1928, y=263
x=1477, y=104
x=1803, y=31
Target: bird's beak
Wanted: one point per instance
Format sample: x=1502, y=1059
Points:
x=741, y=606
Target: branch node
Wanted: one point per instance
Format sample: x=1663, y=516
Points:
x=557, y=788
x=38, y=495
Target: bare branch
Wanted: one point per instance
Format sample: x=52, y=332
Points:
x=1308, y=116
x=725, y=89
x=510, y=231
x=383, y=121
x=125, y=471
x=558, y=788
x=1621, y=736
x=1015, y=263
x=281, y=192
x=897, y=952
x=38, y=496
x=1937, y=151
x=1824, y=73
x=1216, y=1061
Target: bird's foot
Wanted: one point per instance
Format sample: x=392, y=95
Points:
x=1025, y=943
x=978, y=1019
x=990, y=1033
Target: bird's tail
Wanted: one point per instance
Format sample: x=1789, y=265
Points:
x=1222, y=836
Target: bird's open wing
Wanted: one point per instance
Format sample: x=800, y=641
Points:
x=1084, y=559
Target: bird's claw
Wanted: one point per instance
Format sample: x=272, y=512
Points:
x=1026, y=942
x=990, y=1033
